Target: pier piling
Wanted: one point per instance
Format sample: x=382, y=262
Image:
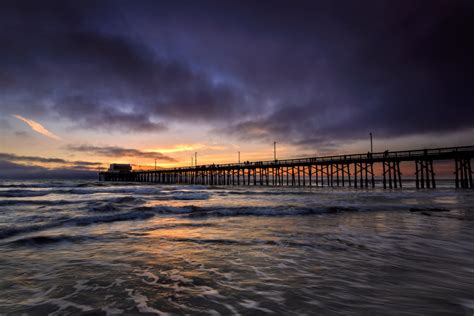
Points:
x=356, y=170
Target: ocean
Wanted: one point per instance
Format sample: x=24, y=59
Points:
x=98, y=248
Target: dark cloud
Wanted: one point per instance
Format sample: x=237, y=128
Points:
x=93, y=114
x=113, y=151
x=393, y=68
x=35, y=159
x=24, y=167
x=306, y=72
x=56, y=61
x=82, y=164
x=10, y=170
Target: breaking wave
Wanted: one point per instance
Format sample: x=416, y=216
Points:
x=77, y=221
x=23, y=193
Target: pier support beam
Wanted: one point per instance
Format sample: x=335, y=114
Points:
x=316, y=171
x=463, y=173
x=424, y=174
x=365, y=171
x=392, y=169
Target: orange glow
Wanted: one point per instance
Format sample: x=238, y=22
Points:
x=184, y=148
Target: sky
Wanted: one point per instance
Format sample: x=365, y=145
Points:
x=88, y=83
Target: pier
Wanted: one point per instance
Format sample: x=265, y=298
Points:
x=354, y=170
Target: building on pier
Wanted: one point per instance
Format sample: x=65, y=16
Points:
x=120, y=168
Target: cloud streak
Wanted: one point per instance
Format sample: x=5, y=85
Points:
x=37, y=127
x=11, y=170
x=118, y=152
x=42, y=160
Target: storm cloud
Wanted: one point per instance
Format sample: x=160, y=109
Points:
x=56, y=64
x=306, y=72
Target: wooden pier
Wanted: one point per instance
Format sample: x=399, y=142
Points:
x=355, y=170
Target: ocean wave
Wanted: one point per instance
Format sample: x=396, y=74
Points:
x=23, y=193
x=108, y=213
x=268, y=211
x=144, y=212
x=249, y=242
x=112, y=204
x=33, y=193
x=88, y=220
x=168, y=210
x=72, y=191
x=428, y=209
x=194, y=211
x=37, y=202
x=77, y=221
x=37, y=184
x=127, y=199
x=46, y=240
x=90, y=203
x=13, y=231
x=190, y=196
x=279, y=191
x=142, y=231
x=73, y=187
x=154, y=192
x=103, y=208
x=114, y=190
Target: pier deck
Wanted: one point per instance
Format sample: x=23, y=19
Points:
x=355, y=170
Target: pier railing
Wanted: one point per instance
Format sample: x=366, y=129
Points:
x=332, y=170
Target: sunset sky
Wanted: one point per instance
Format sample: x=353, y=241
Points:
x=87, y=83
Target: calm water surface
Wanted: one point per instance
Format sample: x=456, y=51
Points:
x=103, y=248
